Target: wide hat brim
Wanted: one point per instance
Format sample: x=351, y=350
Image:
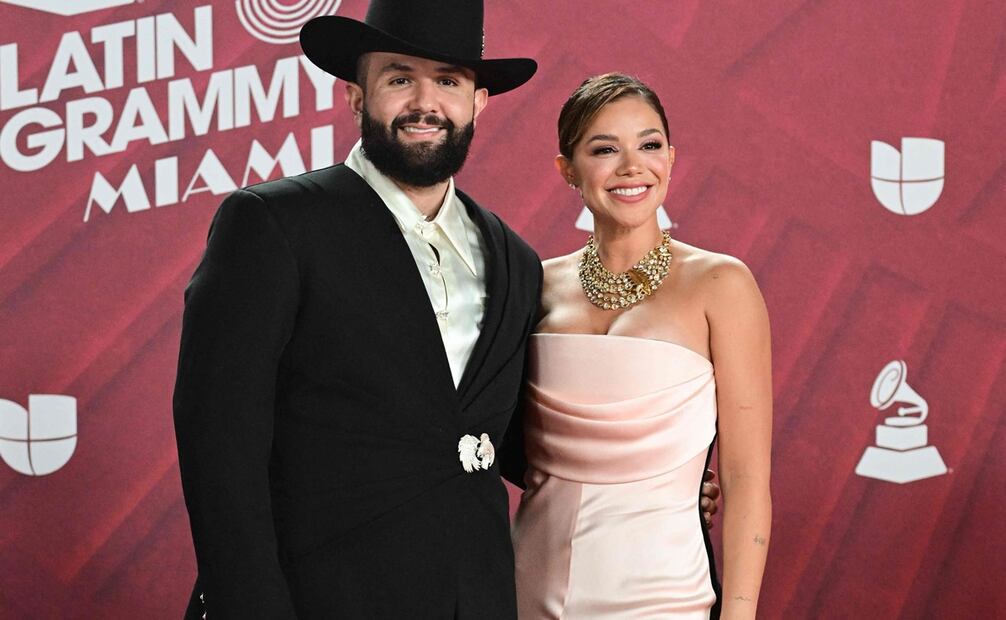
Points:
x=335, y=44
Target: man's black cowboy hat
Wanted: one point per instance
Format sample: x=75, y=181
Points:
x=448, y=31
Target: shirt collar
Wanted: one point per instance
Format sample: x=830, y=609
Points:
x=450, y=218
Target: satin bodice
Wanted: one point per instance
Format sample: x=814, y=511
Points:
x=617, y=430
x=607, y=409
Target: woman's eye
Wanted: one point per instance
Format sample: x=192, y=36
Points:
x=603, y=150
x=653, y=146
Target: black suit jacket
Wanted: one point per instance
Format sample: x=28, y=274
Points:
x=318, y=422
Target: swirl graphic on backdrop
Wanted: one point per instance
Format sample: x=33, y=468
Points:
x=62, y=7
x=279, y=22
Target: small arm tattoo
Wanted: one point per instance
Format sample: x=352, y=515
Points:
x=743, y=598
x=760, y=540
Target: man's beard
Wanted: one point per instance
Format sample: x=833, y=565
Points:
x=421, y=164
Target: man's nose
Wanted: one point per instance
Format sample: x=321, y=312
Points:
x=424, y=97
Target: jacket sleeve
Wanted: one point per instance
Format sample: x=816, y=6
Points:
x=513, y=458
x=239, y=313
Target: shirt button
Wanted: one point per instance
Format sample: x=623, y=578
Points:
x=435, y=270
x=425, y=229
x=442, y=316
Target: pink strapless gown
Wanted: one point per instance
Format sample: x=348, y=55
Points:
x=617, y=430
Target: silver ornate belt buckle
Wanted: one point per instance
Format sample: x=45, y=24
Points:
x=476, y=453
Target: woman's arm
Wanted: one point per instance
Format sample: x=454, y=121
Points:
x=740, y=346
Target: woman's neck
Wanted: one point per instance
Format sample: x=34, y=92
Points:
x=621, y=248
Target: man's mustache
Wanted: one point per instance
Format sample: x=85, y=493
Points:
x=417, y=118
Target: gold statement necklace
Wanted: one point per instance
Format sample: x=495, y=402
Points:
x=614, y=291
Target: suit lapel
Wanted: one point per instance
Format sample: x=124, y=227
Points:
x=388, y=257
x=418, y=331
x=497, y=292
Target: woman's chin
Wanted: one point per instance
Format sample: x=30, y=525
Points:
x=622, y=219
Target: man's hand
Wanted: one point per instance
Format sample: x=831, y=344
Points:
x=710, y=493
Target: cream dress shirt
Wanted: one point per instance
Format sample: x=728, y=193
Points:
x=448, y=254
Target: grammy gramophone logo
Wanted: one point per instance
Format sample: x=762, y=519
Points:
x=901, y=453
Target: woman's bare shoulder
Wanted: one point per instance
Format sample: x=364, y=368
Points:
x=713, y=273
x=558, y=268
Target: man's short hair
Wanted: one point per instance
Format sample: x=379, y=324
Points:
x=361, y=71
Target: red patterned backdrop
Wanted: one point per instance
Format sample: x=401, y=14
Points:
x=773, y=108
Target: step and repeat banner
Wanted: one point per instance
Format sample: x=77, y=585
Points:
x=851, y=153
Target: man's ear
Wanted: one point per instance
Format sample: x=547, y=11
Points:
x=354, y=99
x=481, y=101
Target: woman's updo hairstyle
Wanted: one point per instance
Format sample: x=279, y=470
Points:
x=590, y=97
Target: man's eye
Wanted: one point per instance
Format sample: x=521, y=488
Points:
x=448, y=82
x=400, y=81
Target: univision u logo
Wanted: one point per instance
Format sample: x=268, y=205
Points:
x=40, y=439
x=909, y=182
